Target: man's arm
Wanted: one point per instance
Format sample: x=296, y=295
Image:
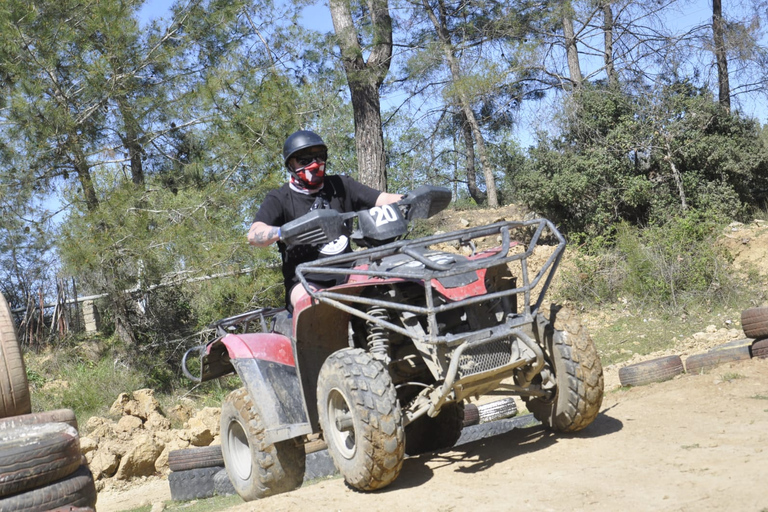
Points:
x=262, y=235
x=387, y=198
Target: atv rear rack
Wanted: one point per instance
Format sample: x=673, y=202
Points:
x=436, y=266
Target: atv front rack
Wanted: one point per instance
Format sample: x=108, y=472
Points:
x=429, y=266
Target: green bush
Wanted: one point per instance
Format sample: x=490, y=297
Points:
x=642, y=158
x=672, y=266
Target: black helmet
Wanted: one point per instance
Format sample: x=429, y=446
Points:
x=299, y=140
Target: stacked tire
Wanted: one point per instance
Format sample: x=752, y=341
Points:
x=41, y=466
x=198, y=473
x=754, y=321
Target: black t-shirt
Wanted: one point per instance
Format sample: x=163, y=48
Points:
x=283, y=205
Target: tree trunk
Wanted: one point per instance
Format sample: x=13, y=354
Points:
x=441, y=27
x=718, y=30
x=84, y=176
x=613, y=79
x=369, y=136
x=132, y=143
x=675, y=173
x=571, y=51
x=364, y=79
x=478, y=195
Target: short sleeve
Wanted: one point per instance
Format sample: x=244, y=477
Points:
x=271, y=211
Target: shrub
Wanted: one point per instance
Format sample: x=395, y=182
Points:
x=672, y=265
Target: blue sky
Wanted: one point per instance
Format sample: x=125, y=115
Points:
x=317, y=12
x=696, y=12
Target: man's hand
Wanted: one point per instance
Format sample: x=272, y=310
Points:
x=262, y=235
x=387, y=198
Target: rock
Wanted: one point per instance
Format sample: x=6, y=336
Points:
x=104, y=429
x=181, y=413
x=138, y=443
x=161, y=464
x=204, y=426
x=129, y=424
x=157, y=422
x=139, y=459
x=103, y=463
x=143, y=405
x=119, y=404
x=94, y=422
x=87, y=444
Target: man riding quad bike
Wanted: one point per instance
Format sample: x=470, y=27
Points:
x=383, y=363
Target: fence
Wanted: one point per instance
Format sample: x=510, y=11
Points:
x=40, y=321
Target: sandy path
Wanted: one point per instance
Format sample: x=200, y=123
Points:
x=698, y=442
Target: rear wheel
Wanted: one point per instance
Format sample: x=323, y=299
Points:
x=361, y=419
x=256, y=469
x=14, y=388
x=574, y=367
x=429, y=434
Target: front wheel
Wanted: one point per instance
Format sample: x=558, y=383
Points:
x=361, y=419
x=573, y=366
x=256, y=469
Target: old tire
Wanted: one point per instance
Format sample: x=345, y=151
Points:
x=361, y=419
x=653, y=370
x=192, y=458
x=497, y=410
x=75, y=490
x=471, y=415
x=760, y=349
x=36, y=455
x=571, y=356
x=319, y=465
x=754, y=322
x=222, y=485
x=701, y=362
x=56, y=416
x=257, y=469
x=14, y=388
x=192, y=484
x=430, y=434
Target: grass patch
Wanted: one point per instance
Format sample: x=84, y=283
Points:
x=644, y=331
x=690, y=446
x=202, y=505
x=728, y=377
x=63, y=378
x=88, y=388
x=759, y=397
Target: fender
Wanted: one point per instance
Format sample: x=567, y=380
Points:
x=266, y=365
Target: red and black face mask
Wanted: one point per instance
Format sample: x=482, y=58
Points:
x=312, y=175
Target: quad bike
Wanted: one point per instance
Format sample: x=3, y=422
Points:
x=382, y=364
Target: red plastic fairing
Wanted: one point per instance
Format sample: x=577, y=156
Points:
x=463, y=292
x=263, y=346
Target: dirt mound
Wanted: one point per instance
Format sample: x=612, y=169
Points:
x=748, y=245
x=136, y=444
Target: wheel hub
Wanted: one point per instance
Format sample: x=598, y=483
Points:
x=240, y=451
x=342, y=431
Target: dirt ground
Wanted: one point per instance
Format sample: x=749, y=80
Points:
x=697, y=442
